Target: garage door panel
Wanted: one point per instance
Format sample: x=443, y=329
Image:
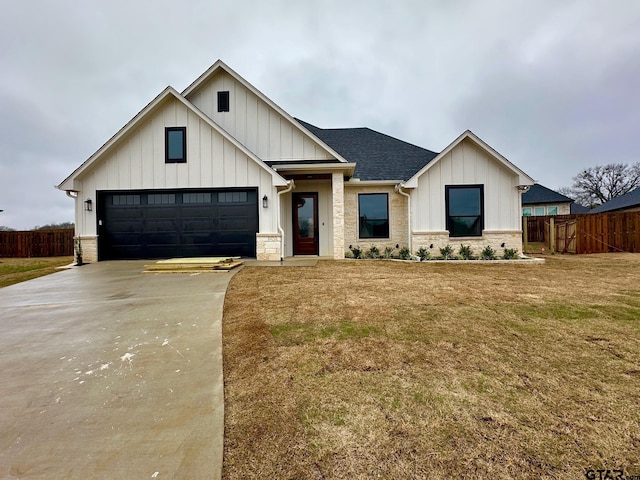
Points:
x=177, y=223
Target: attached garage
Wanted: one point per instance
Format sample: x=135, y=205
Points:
x=177, y=223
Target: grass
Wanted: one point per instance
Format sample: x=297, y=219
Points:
x=392, y=370
x=16, y=270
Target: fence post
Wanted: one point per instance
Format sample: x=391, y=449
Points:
x=525, y=235
x=552, y=235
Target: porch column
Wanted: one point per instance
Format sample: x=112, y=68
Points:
x=337, y=184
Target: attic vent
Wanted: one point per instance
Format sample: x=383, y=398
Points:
x=223, y=101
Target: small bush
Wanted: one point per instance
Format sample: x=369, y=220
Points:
x=447, y=252
x=465, y=252
x=357, y=251
x=424, y=254
x=510, y=253
x=488, y=253
x=373, y=252
x=405, y=253
x=348, y=254
x=388, y=252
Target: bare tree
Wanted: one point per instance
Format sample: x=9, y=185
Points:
x=597, y=185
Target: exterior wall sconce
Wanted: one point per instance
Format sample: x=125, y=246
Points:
x=265, y=202
x=88, y=205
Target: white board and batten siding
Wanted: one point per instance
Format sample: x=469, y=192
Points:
x=137, y=162
x=254, y=123
x=466, y=164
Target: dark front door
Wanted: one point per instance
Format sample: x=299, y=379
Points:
x=305, y=224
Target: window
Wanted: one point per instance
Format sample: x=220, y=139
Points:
x=539, y=211
x=232, y=197
x=526, y=211
x=175, y=145
x=552, y=210
x=465, y=210
x=126, y=200
x=373, y=211
x=223, y=101
x=196, y=197
x=161, y=199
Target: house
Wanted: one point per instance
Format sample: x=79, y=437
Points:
x=220, y=169
x=629, y=202
x=541, y=201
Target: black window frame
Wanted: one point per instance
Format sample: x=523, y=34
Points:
x=223, y=101
x=386, y=233
x=183, y=158
x=453, y=232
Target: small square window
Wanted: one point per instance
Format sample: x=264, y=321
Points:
x=526, y=211
x=175, y=145
x=552, y=210
x=539, y=211
x=223, y=101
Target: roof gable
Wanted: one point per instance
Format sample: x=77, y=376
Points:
x=201, y=84
x=167, y=94
x=377, y=156
x=523, y=178
x=540, y=194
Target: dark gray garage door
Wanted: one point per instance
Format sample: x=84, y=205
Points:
x=177, y=223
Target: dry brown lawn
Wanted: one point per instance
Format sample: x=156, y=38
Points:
x=16, y=270
x=391, y=370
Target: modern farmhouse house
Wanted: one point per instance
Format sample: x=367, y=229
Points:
x=220, y=169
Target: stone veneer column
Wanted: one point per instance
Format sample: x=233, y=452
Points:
x=268, y=246
x=337, y=183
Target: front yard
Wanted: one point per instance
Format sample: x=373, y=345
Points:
x=16, y=270
x=374, y=369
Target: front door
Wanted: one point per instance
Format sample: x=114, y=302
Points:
x=305, y=224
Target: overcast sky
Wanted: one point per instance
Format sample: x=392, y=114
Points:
x=552, y=85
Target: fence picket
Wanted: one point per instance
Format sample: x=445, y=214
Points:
x=37, y=243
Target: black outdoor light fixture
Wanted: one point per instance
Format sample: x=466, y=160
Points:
x=88, y=205
x=265, y=202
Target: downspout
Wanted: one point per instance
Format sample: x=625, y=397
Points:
x=290, y=187
x=398, y=188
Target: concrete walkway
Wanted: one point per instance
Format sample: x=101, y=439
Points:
x=106, y=373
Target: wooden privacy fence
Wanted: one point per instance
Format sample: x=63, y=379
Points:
x=586, y=233
x=37, y=243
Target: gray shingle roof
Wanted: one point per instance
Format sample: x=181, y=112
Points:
x=377, y=156
x=539, y=194
x=629, y=200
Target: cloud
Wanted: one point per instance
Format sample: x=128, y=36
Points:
x=551, y=85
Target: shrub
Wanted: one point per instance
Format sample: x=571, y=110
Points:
x=373, y=252
x=510, y=253
x=466, y=252
x=348, y=254
x=424, y=254
x=357, y=251
x=446, y=252
x=405, y=253
x=488, y=253
x=388, y=252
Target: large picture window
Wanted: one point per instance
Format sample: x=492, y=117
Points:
x=175, y=145
x=373, y=212
x=465, y=210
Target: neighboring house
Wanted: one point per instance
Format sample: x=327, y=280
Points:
x=629, y=202
x=540, y=201
x=220, y=169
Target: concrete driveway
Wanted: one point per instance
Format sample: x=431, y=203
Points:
x=108, y=373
